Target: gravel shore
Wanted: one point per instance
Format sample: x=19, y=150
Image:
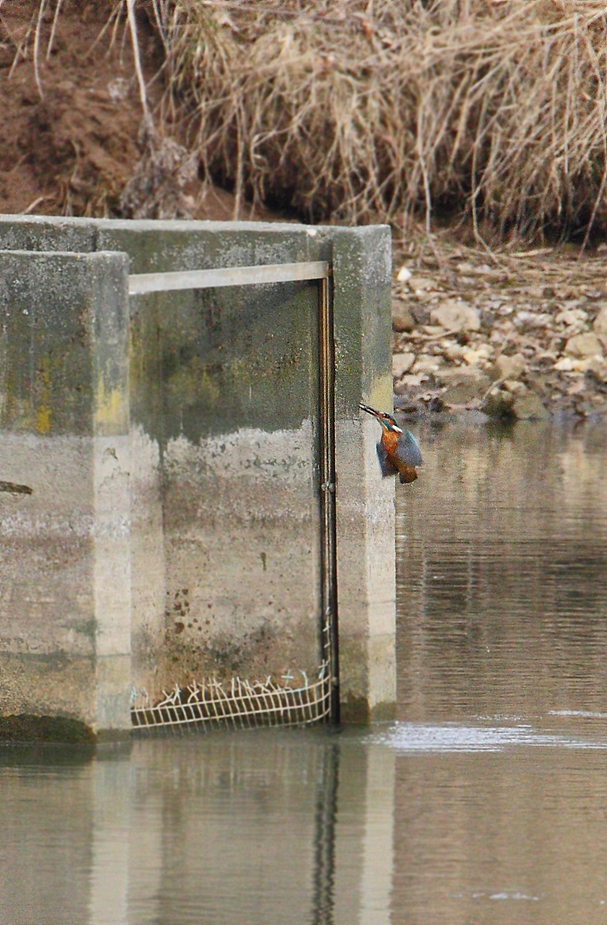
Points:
x=519, y=335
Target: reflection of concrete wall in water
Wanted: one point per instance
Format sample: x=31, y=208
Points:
x=172, y=442
x=255, y=829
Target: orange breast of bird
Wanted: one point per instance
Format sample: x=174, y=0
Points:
x=389, y=441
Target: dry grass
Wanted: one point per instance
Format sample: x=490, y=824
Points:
x=388, y=109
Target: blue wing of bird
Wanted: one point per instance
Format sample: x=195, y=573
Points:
x=408, y=451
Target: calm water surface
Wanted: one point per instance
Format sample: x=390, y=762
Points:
x=486, y=802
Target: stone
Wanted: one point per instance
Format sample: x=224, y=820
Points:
x=402, y=363
x=411, y=380
x=600, y=322
x=420, y=312
x=584, y=345
x=426, y=363
x=529, y=407
x=456, y=316
x=515, y=386
x=474, y=356
x=461, y=393
x=432, y=330
x=454, y=351
x=456, y=375
x=403, y=275
x=596, y=368
x=421, y=284
x=509, y=367
x=572, y=316
x=402, y=319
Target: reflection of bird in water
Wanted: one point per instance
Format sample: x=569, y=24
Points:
x=397, y=450
x=15, y=489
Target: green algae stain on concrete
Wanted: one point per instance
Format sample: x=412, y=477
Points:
x=27, y=727
x=247, y=355
x=380, y=395
x=45, y=377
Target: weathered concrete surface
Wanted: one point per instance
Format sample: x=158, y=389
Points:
x=365, y=501
x=224, y=434
x=65, y=568
x=224, y=398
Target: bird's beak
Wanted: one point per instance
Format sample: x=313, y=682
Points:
x=368, y=409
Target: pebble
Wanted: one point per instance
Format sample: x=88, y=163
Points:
x=402, y=363
x=456, y=316
x=478, y=356
x=528, y=407
x=426, y=363
x=584, y=345
x=509, y=367
x=600, y=322
x=402, y=319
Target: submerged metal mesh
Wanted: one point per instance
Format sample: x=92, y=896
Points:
x=238, y=703
x=241, y=703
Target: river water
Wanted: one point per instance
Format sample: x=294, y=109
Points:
x=484, y=803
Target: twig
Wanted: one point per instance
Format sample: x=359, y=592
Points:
x=37, y=47
x=137, y=59
x=53, y=29
x=33, y=205
x=15, y=489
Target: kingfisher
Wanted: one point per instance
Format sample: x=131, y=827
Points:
x=397, y=450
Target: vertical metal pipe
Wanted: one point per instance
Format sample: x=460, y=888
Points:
x=329, y=631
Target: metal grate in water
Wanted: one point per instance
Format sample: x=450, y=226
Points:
x=241, y=703
x=238, y=702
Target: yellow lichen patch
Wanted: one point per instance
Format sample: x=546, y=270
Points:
x=111, y=407
x=380, y=396
x=43, y=420
x=42, y=416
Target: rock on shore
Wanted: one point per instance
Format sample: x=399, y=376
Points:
x=520, y=335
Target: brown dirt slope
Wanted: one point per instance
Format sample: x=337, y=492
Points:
x=68, y=136
x=71, y=120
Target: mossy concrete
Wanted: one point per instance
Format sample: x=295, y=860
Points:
x=197, y=414
x=65, y=604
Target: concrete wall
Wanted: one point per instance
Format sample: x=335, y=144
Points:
x=179, y=473
x=65, y=599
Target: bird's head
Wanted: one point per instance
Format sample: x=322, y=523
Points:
x=386, y=420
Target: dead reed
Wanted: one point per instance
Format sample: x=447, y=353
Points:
x=387, y=109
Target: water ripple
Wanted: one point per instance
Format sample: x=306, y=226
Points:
x=454, y=737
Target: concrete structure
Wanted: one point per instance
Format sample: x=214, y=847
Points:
x=182, y=521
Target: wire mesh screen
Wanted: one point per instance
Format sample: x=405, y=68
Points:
x=238, y=703
x=241, y=703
